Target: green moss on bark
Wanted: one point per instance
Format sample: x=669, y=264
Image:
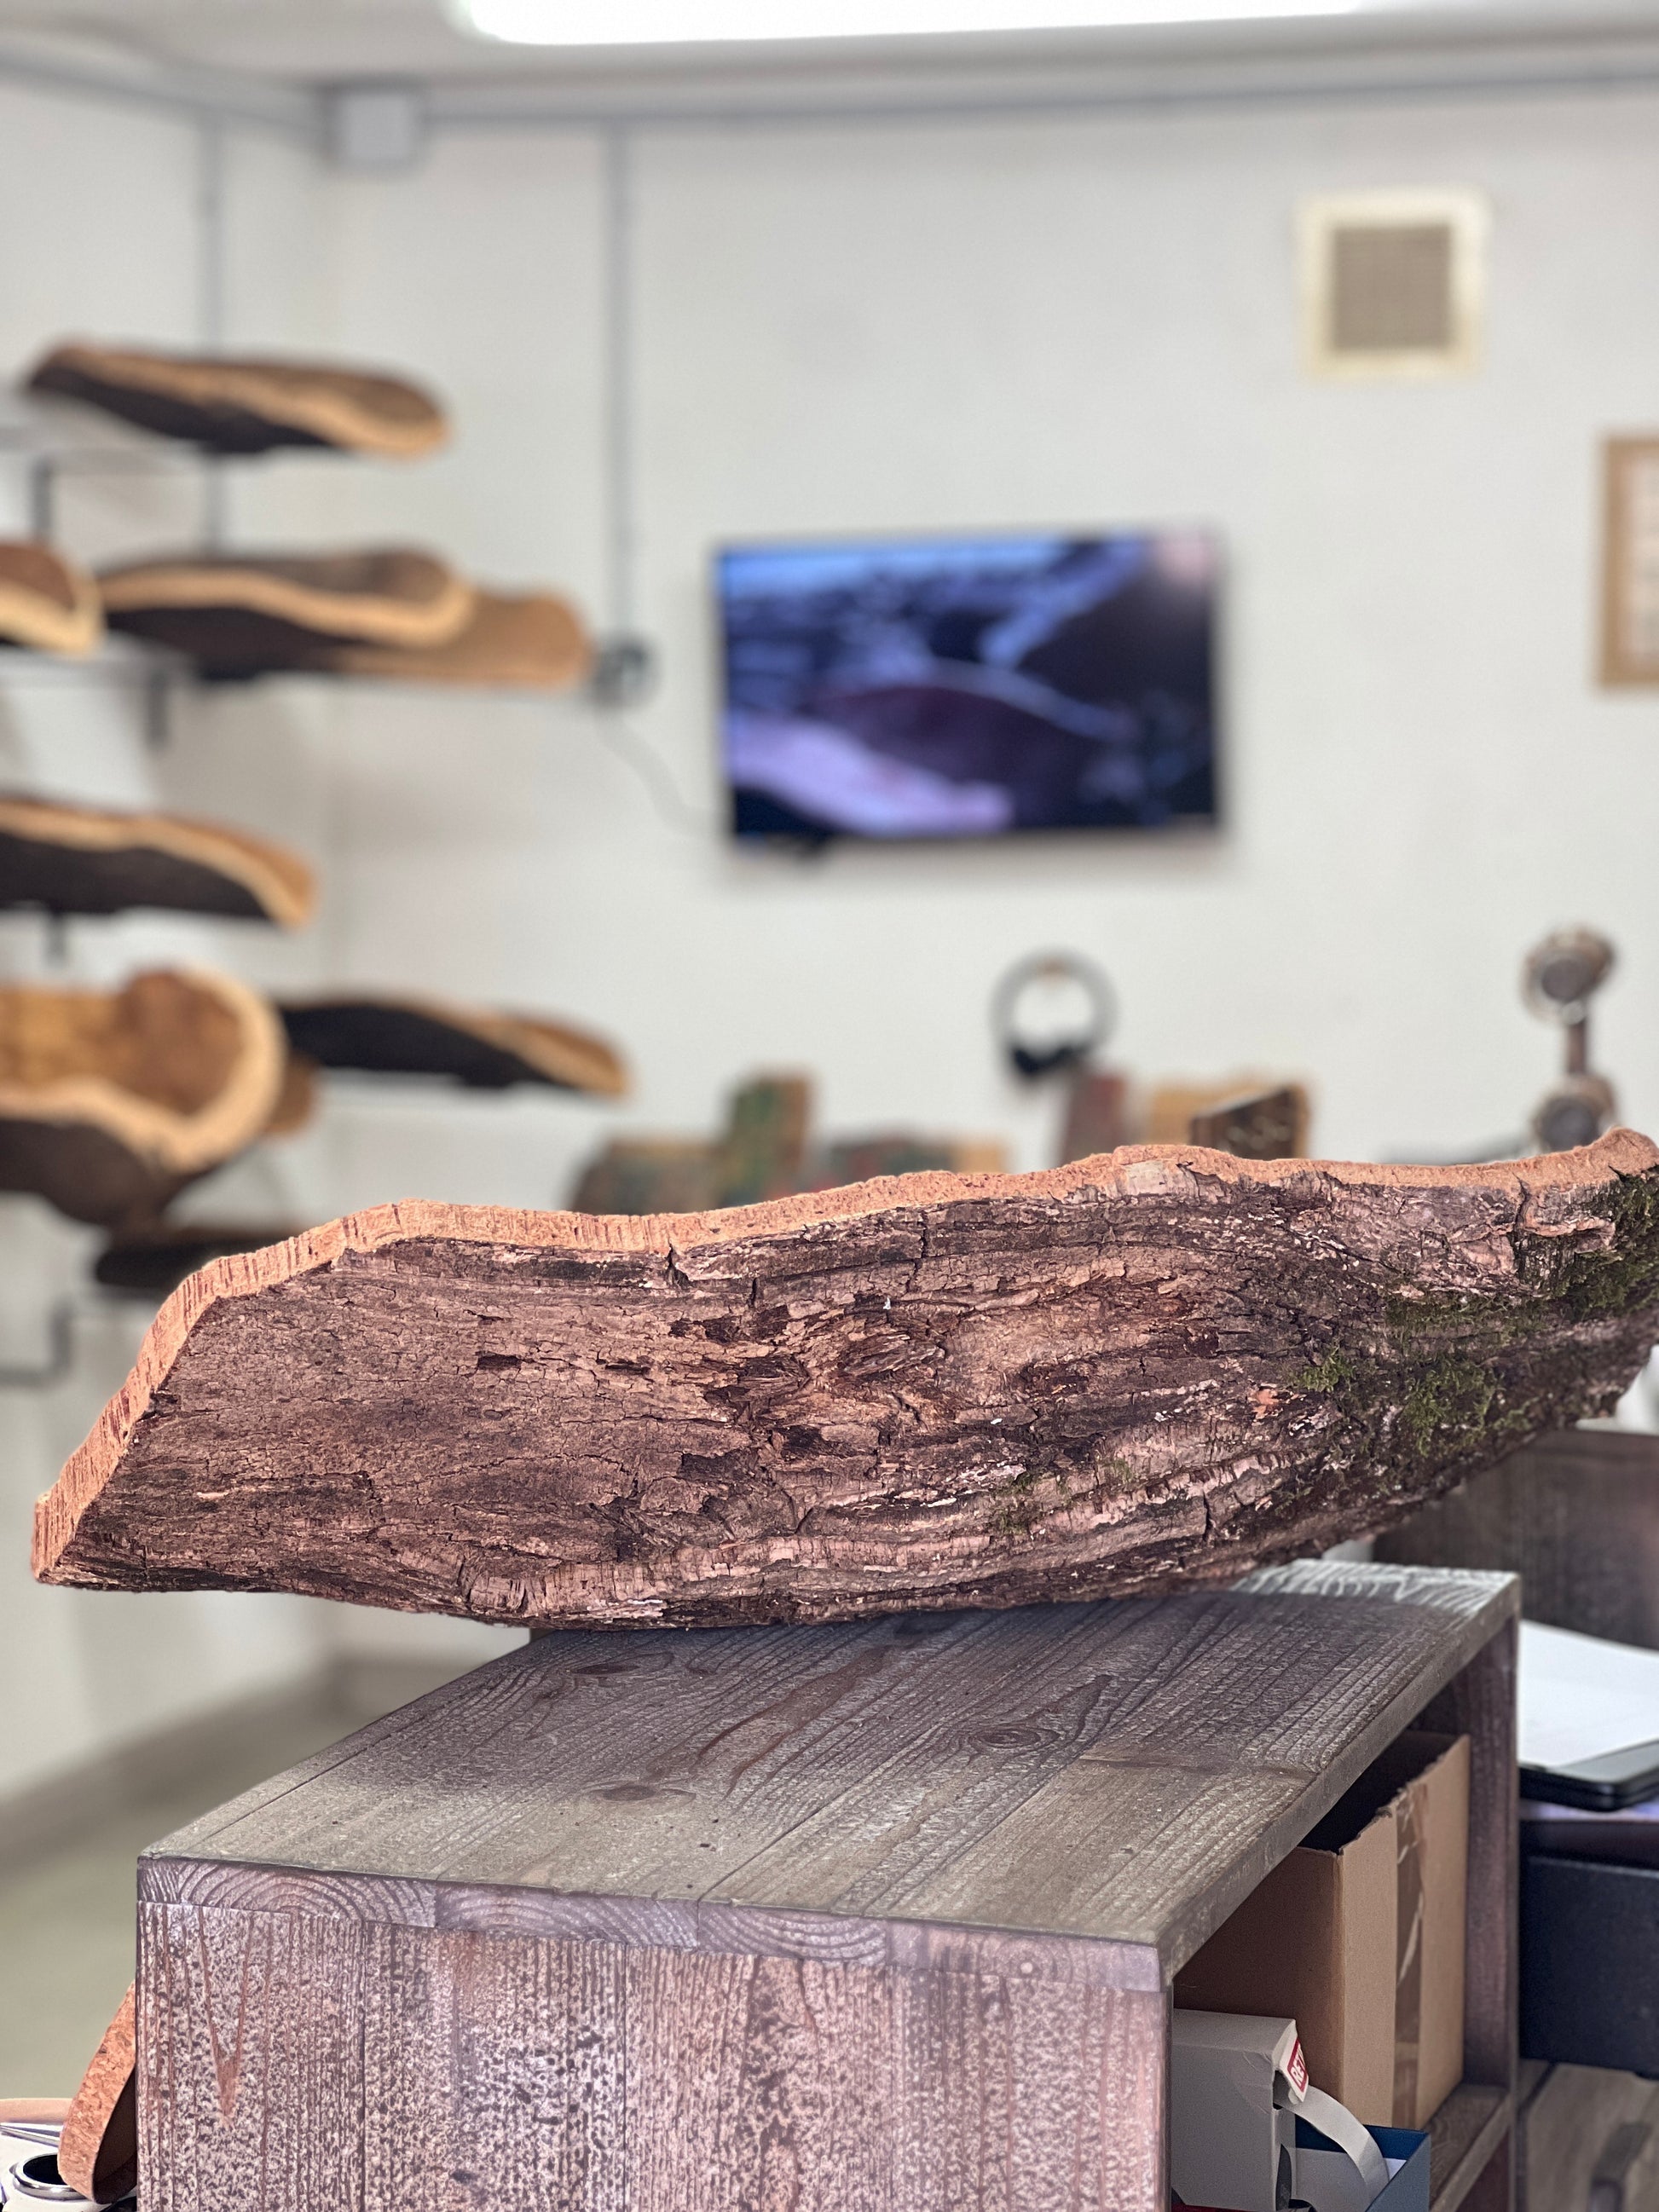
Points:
x=1435, y=1370
x=1625, y=1276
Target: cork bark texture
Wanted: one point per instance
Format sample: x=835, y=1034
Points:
x=98, y=2152
x=1156, y=1365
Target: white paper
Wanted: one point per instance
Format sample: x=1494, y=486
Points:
x=1580, y=1697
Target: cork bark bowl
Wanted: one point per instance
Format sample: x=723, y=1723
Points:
x=246, y=403
x=46, y=604
x=98, y=2150
x=531, y=640
x=245, y=615
x=69, y=859
x=484, y=1051
x=1163, y=1364
x=111, y=1101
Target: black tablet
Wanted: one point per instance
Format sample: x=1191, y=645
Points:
x=1611, y=1784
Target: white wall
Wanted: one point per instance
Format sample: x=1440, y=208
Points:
x=101, y=236
x=936, y=324
x=1090, y=321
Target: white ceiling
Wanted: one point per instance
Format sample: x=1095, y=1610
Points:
x=327, y=40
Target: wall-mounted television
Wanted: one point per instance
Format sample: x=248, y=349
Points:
x=965, y=686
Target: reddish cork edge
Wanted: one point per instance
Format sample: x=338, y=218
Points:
x=98, y=2150
x=1131, y=1170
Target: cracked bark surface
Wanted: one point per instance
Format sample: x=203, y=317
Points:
x=1160, y=1365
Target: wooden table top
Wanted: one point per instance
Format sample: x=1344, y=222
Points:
x=1123, y=1772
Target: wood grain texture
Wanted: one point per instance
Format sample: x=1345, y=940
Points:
x=661, y=1923
x=247, y=404
x=98, y=2151
x=89, y=859
x=1480, y=1702
x=1119, y=1775
x=1576, y=1515
x=294, y=2062
x=1159, y=1365
x=1566, y=2126
x=1473, y=2123
x=111, y=1101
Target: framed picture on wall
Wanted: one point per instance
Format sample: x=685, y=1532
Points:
x=1630, y=560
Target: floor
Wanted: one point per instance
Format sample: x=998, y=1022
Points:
x=66, y=1912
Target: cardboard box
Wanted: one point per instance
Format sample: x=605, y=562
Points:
x=1358, y=1936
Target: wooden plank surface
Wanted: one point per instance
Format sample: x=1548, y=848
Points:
x=1575, y=1515
x=1462, y=2136
x=1121, y=1772
x=311, y=2064
x=1482, y=1703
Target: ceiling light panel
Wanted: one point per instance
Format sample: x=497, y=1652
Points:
x=684, y=22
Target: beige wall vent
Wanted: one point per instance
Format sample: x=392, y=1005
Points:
x=1392, y=283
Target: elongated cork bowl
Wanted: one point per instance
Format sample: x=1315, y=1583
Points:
x=247, y=404
x=71, y=859
x=932, y=1390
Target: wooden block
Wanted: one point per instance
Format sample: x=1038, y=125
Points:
x=868, y=1918
x=1171, y=1106
x=924, y=1392
x=1581, y=2123
x=1261, y=1125
x=763, y=1154
x=1097, y=1114
x=648, y=1174
x=247, y=404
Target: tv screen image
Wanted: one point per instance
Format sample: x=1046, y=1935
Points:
x=968, y=687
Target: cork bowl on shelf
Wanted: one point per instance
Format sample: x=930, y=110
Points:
x=111, y=1101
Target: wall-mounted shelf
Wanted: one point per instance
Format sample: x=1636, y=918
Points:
x=55, y=439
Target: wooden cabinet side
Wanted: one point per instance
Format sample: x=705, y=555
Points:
x=292, y=2061
x=1481, y=1701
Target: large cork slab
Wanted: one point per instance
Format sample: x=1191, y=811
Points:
x=1162, y=1363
